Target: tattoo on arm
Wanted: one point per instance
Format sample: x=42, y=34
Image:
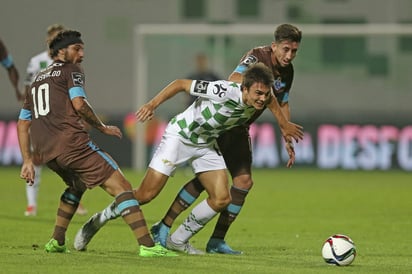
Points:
x=88, y=114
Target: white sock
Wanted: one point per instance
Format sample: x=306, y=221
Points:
x=109, y=213
x=33, y=190
x=200, y=215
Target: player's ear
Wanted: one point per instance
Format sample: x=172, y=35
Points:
x=62, y=51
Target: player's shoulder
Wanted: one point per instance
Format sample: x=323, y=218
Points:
x=218, y=87
x=257, y=54
x=261, y=49
x=232, y=89
x=68, y=67
x=233, y=85
x=225, y=84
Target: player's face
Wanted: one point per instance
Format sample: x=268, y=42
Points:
x=74, y=53
x=284, y=52
x=257, y=96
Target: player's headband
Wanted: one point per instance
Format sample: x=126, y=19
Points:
x=67, y=41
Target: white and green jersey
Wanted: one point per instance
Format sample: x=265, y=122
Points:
x=36, y=64
x=219, y=108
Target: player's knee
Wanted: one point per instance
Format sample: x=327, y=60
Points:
x=220, y=203
x=244, y=181
x=71, y=197
x=144, y=197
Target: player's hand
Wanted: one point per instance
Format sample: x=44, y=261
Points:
x=27, y=172
x=112, y=131
x=145, y=113
x=291, y=152
x=292, y=130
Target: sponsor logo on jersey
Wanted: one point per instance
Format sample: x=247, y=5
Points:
x=78, y=78
x=249, y=60
x=201, y=86
x=278, y=84
x=219, y=90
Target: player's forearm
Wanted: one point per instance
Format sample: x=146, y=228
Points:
x=24, y=139
x=87, y=113
x=285, y=110
x=169, y=91
x=14, y=77
x=278, y=113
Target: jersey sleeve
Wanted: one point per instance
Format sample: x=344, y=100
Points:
x=25, y=112
x=248, y=59
x=217, y=90
x=7, y=62
x=75, y=82
x=5, y=58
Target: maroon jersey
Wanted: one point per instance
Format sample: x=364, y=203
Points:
x=3, y=51
x=283, y=75
x=56, y=128
x=5, y=58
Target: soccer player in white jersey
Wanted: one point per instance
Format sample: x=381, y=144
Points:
x=36, y=64
x=191, y=137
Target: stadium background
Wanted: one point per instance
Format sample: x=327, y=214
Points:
x=352, y=93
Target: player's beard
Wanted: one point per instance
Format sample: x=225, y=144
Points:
x=70, y=59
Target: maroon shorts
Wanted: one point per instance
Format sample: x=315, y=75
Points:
x=86, y=167
x=235, y=146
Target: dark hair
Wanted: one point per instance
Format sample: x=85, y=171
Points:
x=64, y=39
x=258, y=73
x=287, y=32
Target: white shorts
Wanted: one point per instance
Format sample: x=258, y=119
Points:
x=172, y=152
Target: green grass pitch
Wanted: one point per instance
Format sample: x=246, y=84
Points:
x=287, y=216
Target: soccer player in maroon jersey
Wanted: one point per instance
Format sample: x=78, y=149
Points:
x=51, y=123
x=36, y=64
x=235, y=143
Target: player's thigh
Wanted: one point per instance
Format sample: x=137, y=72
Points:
x=116, y=184
x=69, y=177
x=89, y=164
x=170, y=153
x=235, y=146
x=151, y=185
x=207, y=158
x=215, y=183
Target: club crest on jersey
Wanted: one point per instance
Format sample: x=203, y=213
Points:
x=278, y=84
x=78, y=78
x=201, y=86
x=249, y=60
